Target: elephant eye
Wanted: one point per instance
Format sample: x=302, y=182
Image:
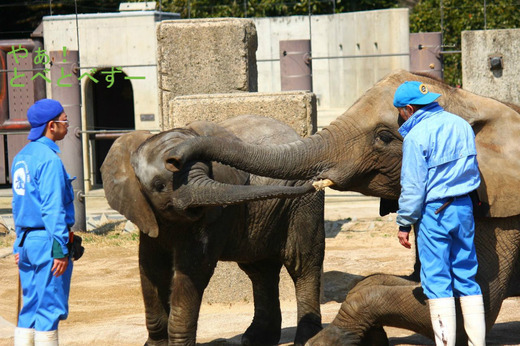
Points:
x=385, y=136
x=159, y=185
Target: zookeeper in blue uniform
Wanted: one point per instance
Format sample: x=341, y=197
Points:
x=43, y=212
x=439, y=170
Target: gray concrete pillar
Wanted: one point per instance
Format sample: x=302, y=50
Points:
x=66, y=89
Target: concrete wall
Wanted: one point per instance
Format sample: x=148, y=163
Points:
x=205, y=56
x=477, y=75
x=297, y=109
x=375, y=42
x=125, y=39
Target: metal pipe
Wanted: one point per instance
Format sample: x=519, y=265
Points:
x=15, y=124
x=23, y=70
x=80, y=67
x=359, y=56
x=106, y=136
x=65, y=88
x=105, y=131
x=2, y=133
x=344, y=57
x=83, y=195
x=7, y=45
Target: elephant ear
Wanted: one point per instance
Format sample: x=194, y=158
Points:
x=122, y=189
x=497, y=129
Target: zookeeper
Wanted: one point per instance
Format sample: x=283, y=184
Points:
x=439, y=170
x=43, y=213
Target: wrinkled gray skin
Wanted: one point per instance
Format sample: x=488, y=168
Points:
x=208, y=212
x=361, y=151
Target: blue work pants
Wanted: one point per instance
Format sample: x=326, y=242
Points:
x=446, y=249
x=45, y=297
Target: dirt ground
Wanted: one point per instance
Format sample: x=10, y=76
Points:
x=106, y=306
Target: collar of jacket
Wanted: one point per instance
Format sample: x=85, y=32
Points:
x=423, y=113
x=50, y=143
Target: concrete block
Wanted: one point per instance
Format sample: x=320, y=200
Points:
x=478, y=76
x=295, y=108
x=205, y=56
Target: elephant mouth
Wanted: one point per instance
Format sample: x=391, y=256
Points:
x=194, y=213
x=185, y=212
x=322, y=184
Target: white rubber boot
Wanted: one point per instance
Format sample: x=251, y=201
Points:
x=474, y=319
x=444, y=320
x=46, y=338
x=23, y=336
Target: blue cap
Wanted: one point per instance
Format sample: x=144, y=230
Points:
x=413, y=93
x=39, y=114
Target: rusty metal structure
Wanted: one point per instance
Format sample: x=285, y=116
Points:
x=19, y=89
x=426, y=53
x=23, y=82
x=296, y=65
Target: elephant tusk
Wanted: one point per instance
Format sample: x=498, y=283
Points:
x=322, y=184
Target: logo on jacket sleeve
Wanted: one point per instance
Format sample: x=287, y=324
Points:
x=19, y=180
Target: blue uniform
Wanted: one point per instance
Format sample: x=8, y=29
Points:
x=43, y=209
x=439, y=162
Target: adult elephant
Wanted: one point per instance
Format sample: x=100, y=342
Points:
x=361, y=151
x=208, y=212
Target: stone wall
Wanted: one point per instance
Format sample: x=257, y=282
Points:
x=350, y=51
x=205, y=56
x=482, y=48
x=297, y=109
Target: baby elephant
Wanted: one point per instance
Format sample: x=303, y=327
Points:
x=206, y=212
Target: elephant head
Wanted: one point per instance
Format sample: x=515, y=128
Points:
x=139, y=187
x=361, y=149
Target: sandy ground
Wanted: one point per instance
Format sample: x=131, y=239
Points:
x=106, y=306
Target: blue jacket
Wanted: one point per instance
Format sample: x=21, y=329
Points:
x=439, y=160
x=42, y=191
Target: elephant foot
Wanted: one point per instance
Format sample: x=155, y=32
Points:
x=151, y=342
x=334, y=335
x=262, y=334
x=307, y=327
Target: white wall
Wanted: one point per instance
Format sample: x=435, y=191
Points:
x=337, y=82
x=106, y=40
x=129, y=39
x=125, y=39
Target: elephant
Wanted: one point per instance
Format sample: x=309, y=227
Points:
x=361, y=151
x=208, y=212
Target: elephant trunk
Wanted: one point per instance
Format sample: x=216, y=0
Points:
x=300, y=160
x=202, y=191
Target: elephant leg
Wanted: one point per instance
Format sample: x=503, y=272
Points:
x=305, y=250
x=155, y=267
x=185, y=301
x=378, y=300
x=267, y=322
x=307, y=289
x=193, y=269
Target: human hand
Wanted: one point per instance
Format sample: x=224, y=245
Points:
x=16, y=258
x=404, y=239
x=59, y=266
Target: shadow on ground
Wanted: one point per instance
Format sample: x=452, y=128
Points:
x=337, y=284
